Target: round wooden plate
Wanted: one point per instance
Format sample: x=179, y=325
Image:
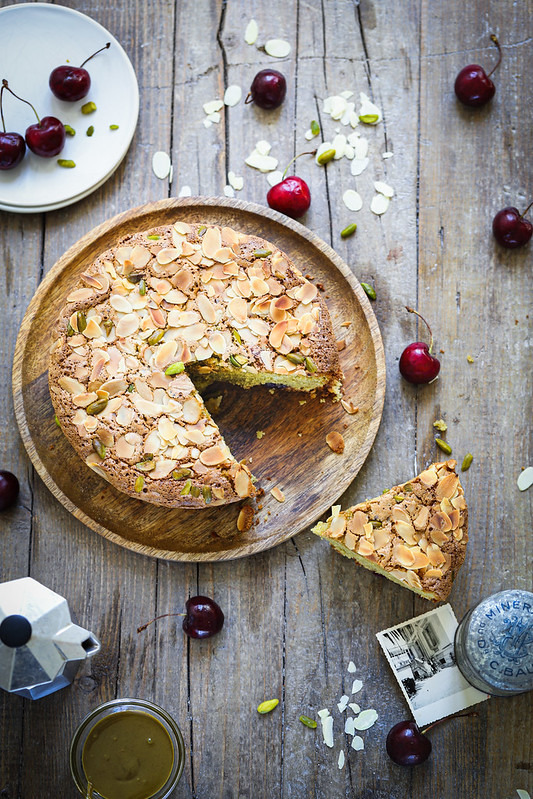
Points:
x=292, y=454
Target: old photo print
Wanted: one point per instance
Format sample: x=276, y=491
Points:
x=421, y=654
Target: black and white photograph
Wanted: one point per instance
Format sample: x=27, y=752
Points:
x=421, y=654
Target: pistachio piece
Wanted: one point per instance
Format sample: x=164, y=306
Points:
x=349, y=230
x=238, y=360
x=407, y=487
x=368, y=119
x=179, y=474
x=325, y=157
x=369, y=290
x=134, y=278
x=70, y=330
x=262, y=253
x=90, y=130
x=153, y=237
x=88, y=108
x=310, y=365
x=376, y=523
x=295, y=357
x=69, y=131
x=131, y=388
x=98, y=448
x=108, y=326
x=142, y=287
x=195, y=491
x=115, y=127
x=440, y=425
x=66, y=163
x=443, y=445
x=206, y=493
x=399, y=498
x=155, y=338
x=139, y=484
x=56, y=420
x=315, y=130
x=236, y=336
x=308, y=722
x=268, y=706
x=186, y=488
x=201, y=229
x=96, y=407
x=146, y=465
x=467, y=462
x=175, y=369
x=82, y=321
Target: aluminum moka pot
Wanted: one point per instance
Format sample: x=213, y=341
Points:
x=41, y=648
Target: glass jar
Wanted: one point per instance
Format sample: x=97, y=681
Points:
x=494, y=644
x=117, y=706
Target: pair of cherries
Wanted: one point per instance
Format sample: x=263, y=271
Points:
x=46, y=137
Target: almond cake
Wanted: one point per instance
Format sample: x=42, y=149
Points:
x=415, y=533
x=157, y=316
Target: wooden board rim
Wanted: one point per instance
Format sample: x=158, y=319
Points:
x=146, y=210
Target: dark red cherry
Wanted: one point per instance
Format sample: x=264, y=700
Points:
x=268, y=89
x=72, y=83
x=417, y=364
x=510, y=229
x=407, y=745
x=12, y=145
x=9, y=490
x=473, y=86
x=204, y=617
x=46, y=137
x=291, y=197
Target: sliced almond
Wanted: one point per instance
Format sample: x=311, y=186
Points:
x=128, y=325
x=277, y=494
x=245, y=518
x=428, y=478
x=243, y=483
x=211, y=242
x=357, y=522
x=337, y=527
x=213, y=456
x=421, y=521
x=441, y=521
x=447, y=486
x=335, y=442
x=277, y=333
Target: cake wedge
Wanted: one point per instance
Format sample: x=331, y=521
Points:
x=414, y=534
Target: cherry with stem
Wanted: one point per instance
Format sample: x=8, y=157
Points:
x=47, y=137
x=72, y=83
x=12, y=145
x=291, y=196
x=417, y=364
x=473, y=87
x=511, y=229
x=407, y=744
x=203, y=618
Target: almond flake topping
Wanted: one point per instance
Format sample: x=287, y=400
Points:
x=277, y=494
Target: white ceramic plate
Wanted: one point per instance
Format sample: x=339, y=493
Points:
x=34, y=39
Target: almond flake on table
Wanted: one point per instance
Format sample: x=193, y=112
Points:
x=235, y=181
x=359, y=144
x=349, y=152
x=185, y=191
x=277, y=48
x=340, y=761
x=343, y=704
x=232, y=95
x=366, y=719
x=161, y=164
x=353, y=706
x=368, y=108
x=346, y=95
x=384, y=188
x=523, y=794
x=323, y=713
x=379, y=204
x=214, y=117
x=277, y=494
x=348, y=114
x=356, y=686
x=358, y=743
x=327, y=730
x=387, y=155
x=359, y=165
x=251, y=33
x=525, y=479
x=338, y=144
x=310, y=135
x=263, y=147
x=352, y=200
x=212, y=105
x=349, y=727
x=207, y=123
x=264, y=163
x=228, y=191
x=352, y=668
x=274, y=178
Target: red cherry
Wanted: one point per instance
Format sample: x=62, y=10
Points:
x=9, y=490
x=46, y=138
x=291, y=197
x=12, y=145
x=72, y=83
x=203, y=618
x=417, y=364
x=268, y=89
x=473, y=86
x=510, y=229
x=407, y=745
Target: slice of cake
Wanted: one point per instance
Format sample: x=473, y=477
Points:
x=155, y=317
x=415, y=534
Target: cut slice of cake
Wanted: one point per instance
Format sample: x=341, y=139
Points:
x=415, y=533
x=155, y=317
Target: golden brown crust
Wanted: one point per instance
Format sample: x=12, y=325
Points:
x=415, y=532
x=203, y=296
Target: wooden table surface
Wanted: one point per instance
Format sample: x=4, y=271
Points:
x=297, y=614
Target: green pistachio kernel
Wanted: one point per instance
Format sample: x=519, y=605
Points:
x=440, y=425
x=155, y=338
x=115, y=127
x=201, y=229
x=108, y=326
x=238, y=360
x=66, y=163
x=179, y=474
x=349, y=231
x=325, y=157
x=90, y=130
x=206, y=493
x=70, y=330
x=56, y=420
x=131, y=388
x=82, y=321
x=376, y=524
x=444, y=446
x=369, y=290
x=153, y=237
x=368, y=119
x=175, y=369
x=139, y=484
x=295, y=357
x=467, y=462
x=308, y=722
x=268, y=706
x=236, y=336
x=399, y=498
x=147, y=465
x=99, y=448
x=186, y=488
x=96, y=407
x=195, y=491
x=69, y=131
x=315, y=128
x=142, y=287
x=310, y=365
x=88, y=108
x=262, y=253
x=408, y=487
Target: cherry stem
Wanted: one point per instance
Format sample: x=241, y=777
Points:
x=105, y=47
x=412, y=310
x=6, y=86
x=163, y=615
x=1, y=108
x=311, y=152
x=248, y=98
x=455, y=716
x=496, y=42
x=521, y=215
